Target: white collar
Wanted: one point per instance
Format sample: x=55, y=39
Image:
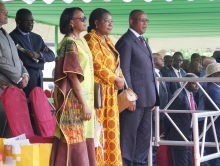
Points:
x=175, y=69
x=187, y=92
x=23, y=33
x=135, y=33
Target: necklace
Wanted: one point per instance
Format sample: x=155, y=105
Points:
x=74, y=37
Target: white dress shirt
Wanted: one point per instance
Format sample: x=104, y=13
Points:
x=188, y=96
x=136, y=34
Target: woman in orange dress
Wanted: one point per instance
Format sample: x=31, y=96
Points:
x=107, y=72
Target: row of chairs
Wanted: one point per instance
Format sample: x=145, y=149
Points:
x=16, y=109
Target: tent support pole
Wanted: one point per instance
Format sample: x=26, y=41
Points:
x=56, y=39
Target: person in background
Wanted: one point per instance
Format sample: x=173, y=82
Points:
x=175, y=71
x=206, y=62
x=35, y=48
x=216, y=55
x=185, y=65
x=164, y=98
x=167, y=63
x=73, y=143
x=138, y=69
x=182, y=155
x=107, y=72
x=196, y=57
x=213, y=90
x=195, y=68
x=12, y=70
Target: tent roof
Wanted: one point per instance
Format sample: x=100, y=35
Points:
x=179, y=18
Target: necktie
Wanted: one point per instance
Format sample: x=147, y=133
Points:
x=28, y=38
x=142, y=40
x=192, y=102
x=180, y=76
x=3, y=31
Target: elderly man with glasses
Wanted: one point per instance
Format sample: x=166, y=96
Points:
x=33, y=52
x=12, y=71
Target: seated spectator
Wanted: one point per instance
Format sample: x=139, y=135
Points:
x=167, y=63
x=185, y=65
x=213, y=90
x=175, y=71
x=182, y=155
x=196, y=57
x=163, y=95
x=206, y=62
x=216, y=55
x=195, y=68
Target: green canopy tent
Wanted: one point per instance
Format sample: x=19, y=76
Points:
x=177, y=18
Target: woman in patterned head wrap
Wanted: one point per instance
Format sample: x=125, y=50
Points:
x=73, y=143
x=107, y=72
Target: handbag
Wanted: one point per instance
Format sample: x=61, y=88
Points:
x=97, y=95
x=125, y=98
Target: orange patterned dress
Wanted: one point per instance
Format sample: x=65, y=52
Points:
x=105, y=65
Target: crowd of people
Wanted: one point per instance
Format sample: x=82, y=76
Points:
x=81, y=61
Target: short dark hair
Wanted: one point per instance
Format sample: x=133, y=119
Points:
x=65, y=19
x=96, y=14
x=166, y=57
x=134, y=12
x=177, y=54
x=20, y=13
x=215, y=54
x=194, y=55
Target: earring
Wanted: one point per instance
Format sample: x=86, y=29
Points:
x=96, y=26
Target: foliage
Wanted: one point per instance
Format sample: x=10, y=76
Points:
x=187, y=53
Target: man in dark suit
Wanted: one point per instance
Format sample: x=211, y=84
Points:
x=213, y=90
x=12, y=70
x=182, y=155
x=35, y=48
x=167, y=63
x=138, y=68
x=175, y=71
x=164, y=98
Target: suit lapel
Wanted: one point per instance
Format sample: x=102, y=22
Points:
x=140, y=44
x=2, y=36
x=24, y=41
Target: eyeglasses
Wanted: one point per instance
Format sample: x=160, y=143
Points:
x=81, y=18
x=4, y=11
x=28, y=21
x=142, y=20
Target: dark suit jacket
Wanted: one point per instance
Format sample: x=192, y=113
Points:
x=138, y=69
x=164, y=97
x=34, y=69
x=173, y=86
x=214, y=92
x=164, y=70
x=182, y=120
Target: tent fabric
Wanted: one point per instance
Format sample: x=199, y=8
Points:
x=178, y=18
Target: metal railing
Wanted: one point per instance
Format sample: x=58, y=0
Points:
x=195, y=115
